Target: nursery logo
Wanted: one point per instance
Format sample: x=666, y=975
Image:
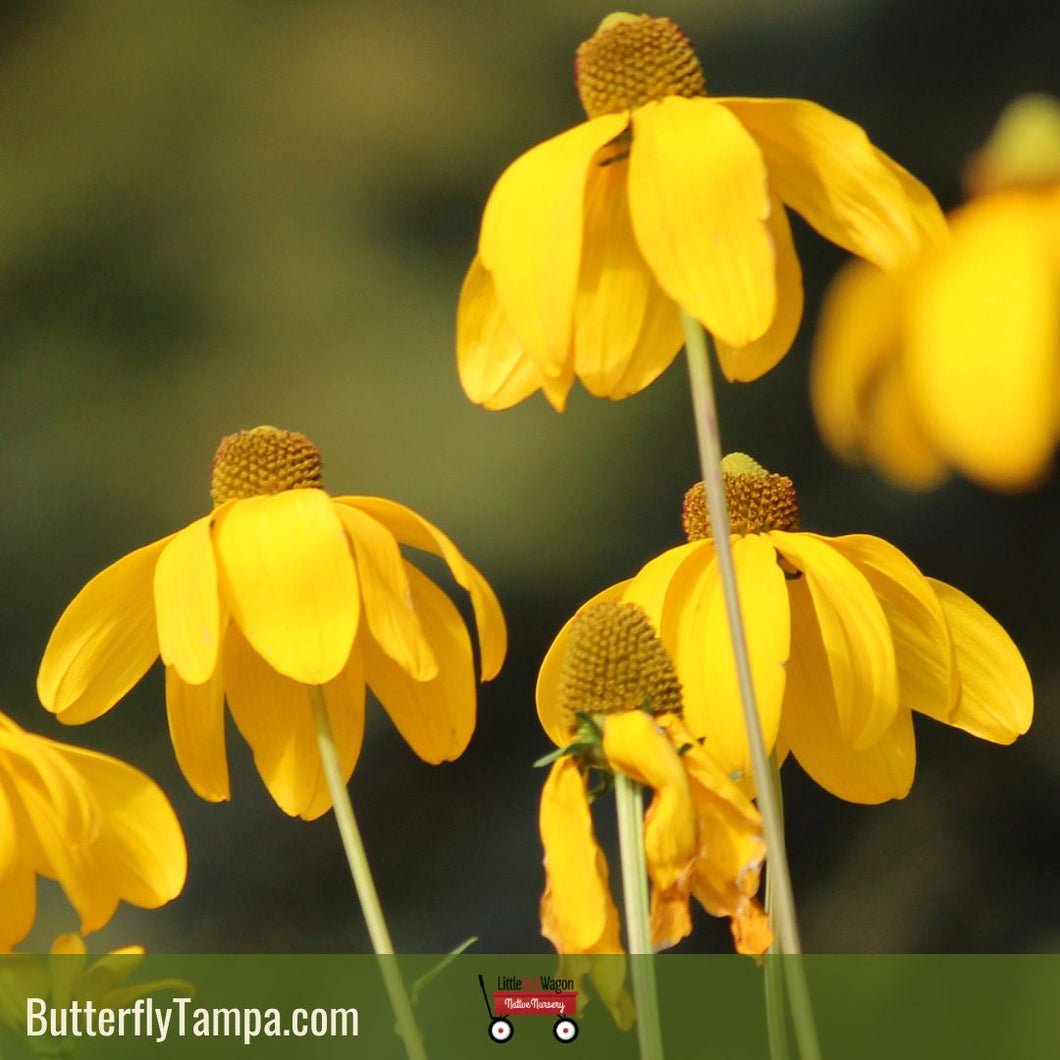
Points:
x=526, y=995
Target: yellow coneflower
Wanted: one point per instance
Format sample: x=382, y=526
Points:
x=954, y=361
x=666, y=199
x=847, y=639
x=281, y=587
x=101, y=828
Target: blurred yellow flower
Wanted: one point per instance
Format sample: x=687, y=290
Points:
x=280, y=587
x=101, y=828
x=955, y=361
x=593, y=241
x=69, y=976
x=607, y=694
x=846, y=639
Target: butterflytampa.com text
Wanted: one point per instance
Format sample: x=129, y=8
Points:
x=156, y=1021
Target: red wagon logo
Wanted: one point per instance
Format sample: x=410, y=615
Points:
x=563, y=1004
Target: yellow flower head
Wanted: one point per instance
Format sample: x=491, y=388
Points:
x=280, y=587
x=69, y=976
x=954, y=362
x=666, y=199
x=608, y=695
x=846, y=639
x=99, y=827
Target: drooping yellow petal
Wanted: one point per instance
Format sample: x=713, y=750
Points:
x=825, y=167
x=627, y=331
x=197, y=730
x=18, y=885
x=649, y=588
x=67, y=961
x=412, y=529
x=895, y=442
x=100, y=982
x=557, y=388
x=608, y=971
x=810, y=724
x=995, y=699
x=699, y=201
x=275, y=716
x=982, y=355
x=669, y=916
x=636, y=746
x=744, y=364
x=576, y=908
x=104, y=982
x=104, y=641
x=187, y=603
x=532, y=236
x=68, y=945
x=8, y=841
x=385, y=594
x=549, y=709
x=731, y=849
x=857, y=334
x=731, y=846
x=857, y=387
x=751, y=929
x=18, y=907
x=681, y=592
x=607, y=967
x=289, y=580
x=649, y=358
x=856, y=636
x=100, y=827
x=138, y=854
x=436, y=717
x=713, y=705
x=926, y=214
x=927, y=678
x=45, y=787
x=494, y=369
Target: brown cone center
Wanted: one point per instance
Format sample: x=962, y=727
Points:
x=632, y=60
x=262, y=461
x=757, y=501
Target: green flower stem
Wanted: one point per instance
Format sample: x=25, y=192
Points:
x=363, y=882
x=697, y=345
x=787, y=974
x=629, y=803
x=776, y=1009
x=799, y=1005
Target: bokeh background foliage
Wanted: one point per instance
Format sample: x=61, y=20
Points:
x=217, y=214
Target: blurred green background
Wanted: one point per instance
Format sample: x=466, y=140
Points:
x=217, y=214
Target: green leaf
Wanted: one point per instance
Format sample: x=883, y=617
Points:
x=440, y=967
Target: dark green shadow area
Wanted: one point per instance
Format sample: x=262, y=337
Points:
x=966, y=1007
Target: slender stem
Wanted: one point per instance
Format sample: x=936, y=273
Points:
x=799, y=1005
x=778, y=795
x=776, y=1009
x=789, y=971
x=709, y=439
x=776, y=990
x=363, y=881
x=630, y=806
